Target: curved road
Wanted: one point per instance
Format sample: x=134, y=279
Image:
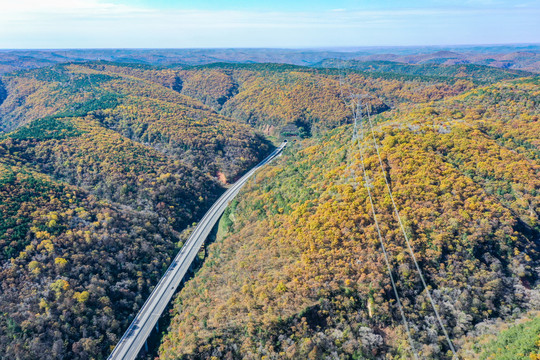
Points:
x=135, y=336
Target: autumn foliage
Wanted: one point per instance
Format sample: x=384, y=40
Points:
x=315, y=284
x=103, y=167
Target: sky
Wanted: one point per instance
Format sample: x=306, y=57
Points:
x=49, y=24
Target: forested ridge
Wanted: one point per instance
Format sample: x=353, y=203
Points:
x=473, y=72
x=464, y=173
x=74, y=269
x=141, y=110
x=517, y=56
x=277, y=97
x=99, y=176
x=103, y=165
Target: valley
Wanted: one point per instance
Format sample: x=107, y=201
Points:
x=106, y=167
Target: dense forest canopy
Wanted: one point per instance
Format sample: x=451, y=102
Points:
x=517, y=56
x=104, y=166
x=477, y=73
x=467, y=187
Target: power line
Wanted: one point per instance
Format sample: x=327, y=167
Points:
x=387, y=261
x=356, y=114
x=355, y=105
x=448, y=340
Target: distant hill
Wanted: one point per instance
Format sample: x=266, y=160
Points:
x=477, y=73
x=526, y=61
x=519, y=57
x=99, y=176
x=272, y=97
x=298, y=271
x=105, y=166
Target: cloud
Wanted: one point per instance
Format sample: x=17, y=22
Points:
x=55, y=10
x=100, y=23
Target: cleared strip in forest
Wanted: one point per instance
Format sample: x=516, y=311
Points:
x=356, y=100
x=409, y=247
x=386, y=259
x=355, y=107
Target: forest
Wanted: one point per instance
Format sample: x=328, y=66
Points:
x=105, y=166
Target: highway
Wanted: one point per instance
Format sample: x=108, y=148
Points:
x=135, y=336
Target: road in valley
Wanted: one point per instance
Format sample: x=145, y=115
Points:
x=135, y=336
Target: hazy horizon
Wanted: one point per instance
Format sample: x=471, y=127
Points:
x=352, y=48
x=165, y=24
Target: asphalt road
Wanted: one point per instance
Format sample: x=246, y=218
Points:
x=135, y=336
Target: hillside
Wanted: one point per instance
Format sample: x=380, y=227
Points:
x=72, y=268
x=289, y=100
x=517, y=56
x=143, y=111
x=273, y=97
x=98, y=178
x=298, y=272
x=104, y=167
x=476, y=73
